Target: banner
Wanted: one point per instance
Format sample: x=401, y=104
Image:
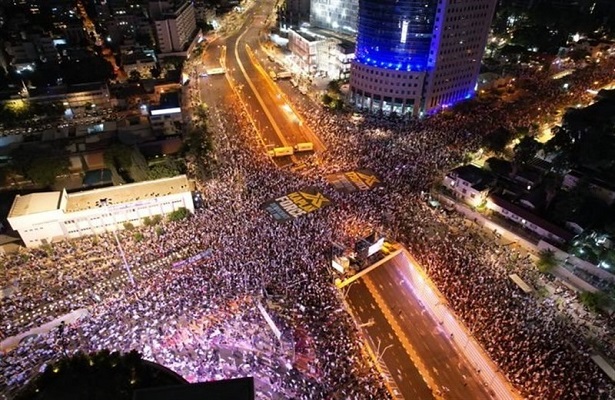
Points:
x=354, y=181
x=296, y=204
x=192, y=260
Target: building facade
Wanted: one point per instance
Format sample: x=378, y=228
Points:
x=175, y=28
x=336, y=15
x=469, y=184
x=42, y=218
x=314, y=53
x=417, y=56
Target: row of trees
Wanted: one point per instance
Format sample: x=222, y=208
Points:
x=43, y=164
x=20, y=113
x=177, y=215
x=198, y=145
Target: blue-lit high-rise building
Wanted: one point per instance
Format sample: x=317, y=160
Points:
x=416, y=56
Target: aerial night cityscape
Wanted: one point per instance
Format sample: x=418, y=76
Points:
x=307, y=199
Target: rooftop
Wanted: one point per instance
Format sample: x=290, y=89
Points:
x=471, y=173
x=168, y=100
x=67, y=89
x=532, y=218
x=35, y=203
x=126, y=193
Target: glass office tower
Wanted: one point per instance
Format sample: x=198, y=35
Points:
x=417, y=56
x=395, y=34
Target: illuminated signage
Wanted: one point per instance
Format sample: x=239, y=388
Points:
x=376, y=247
x=404, y=31
x=165, y=111
x=337, y=266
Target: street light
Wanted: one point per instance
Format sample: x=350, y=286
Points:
x=104, y=203
x=379, y=354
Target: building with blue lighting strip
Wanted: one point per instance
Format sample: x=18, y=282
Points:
x=418, y=56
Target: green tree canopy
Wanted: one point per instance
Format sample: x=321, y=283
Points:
x=119, y=155
x=526, y=150
x=497, y=140
x=546, y=261
x=44, y=171
x=41, y=165
x=166, y=169
x=179, y=214
x=134, y=75
x=594, y=301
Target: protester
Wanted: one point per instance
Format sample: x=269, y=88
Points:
x=201, y=319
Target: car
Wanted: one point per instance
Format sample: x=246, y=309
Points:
x=203, y=75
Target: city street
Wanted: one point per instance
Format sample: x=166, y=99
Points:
x=415, y=350
x=265, y=102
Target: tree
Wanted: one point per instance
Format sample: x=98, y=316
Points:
x=334, y=86
x=167, y=169
x=118, y=155
x=44, y=171
x=546, y=261
x=498, y=166
x=526, y=150
x=326, y=99
x=497, y=140
x=134, y=75
x=179, y=214
x=155, y=72
x=173, y=62
x=594, y=301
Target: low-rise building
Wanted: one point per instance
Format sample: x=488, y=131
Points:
x=528, y=220
x=73, y=97
x=313, y=52
x=42, y=218
x=166, y=117
x=600, y=188
x=142, y=61
x=469, y=183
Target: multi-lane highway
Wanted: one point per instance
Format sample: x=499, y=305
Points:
x=275, y=119
x=419, y=356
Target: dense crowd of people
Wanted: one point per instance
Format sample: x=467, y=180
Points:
x=201, y=319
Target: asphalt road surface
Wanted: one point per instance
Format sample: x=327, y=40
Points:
x=421, y=359
x=275, y=120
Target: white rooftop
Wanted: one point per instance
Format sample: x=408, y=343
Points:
x=35, y=203
x=126, y=193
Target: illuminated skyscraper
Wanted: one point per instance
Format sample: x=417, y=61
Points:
x=336, y=15
x=416, y=56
